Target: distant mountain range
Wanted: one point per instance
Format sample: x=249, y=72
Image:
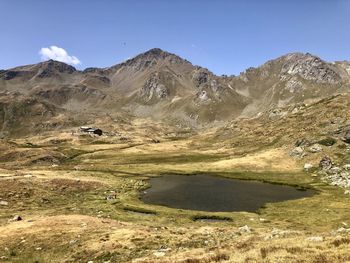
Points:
x=165, y=87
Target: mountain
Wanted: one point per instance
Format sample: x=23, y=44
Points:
x=165, y=87
x=291, y=79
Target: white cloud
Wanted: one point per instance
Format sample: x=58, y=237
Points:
x=59, y=54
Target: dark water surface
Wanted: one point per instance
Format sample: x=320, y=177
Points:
x=212, y=193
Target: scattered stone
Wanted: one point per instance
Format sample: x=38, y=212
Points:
x=326, y=163
x=315, y=239
x=277, y=233
x=277, y=114
x=159, y=254
x=28, y=175
x=315, y=148
x=302, y=142
x=335, y=170
x=295, y=110
x=4, y=203
x=344, y=174
x=38, y=248
x=297, y=152
x=347, y=167
x=322, y=173
x=245, y=229
x=346, y=137
x=347, y=192
x=343, y=229
x=307, y=167
x=111, y=196
x=16, y=218
x=335, y=175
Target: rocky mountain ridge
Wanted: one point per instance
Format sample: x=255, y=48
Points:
x=165, y=87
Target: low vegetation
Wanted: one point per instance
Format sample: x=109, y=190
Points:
x=71, y=198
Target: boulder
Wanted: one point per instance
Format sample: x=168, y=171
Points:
x=111, y=196
x=276, y=114
x=347, y=167
x=346, y=137
x=326, y=163
x=15, y=218
x=344, y=174
x=335, y=170
x=302, y=142
x=315, y=148
x=297, y=152
x=307, y=167
x=245, y=229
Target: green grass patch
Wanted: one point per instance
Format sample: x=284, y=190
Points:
x=139, y=210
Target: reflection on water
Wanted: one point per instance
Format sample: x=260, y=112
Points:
x=211, y=193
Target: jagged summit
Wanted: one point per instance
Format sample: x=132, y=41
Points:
x=304, y=66
x=310, y=67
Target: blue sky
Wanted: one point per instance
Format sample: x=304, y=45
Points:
x=226, y=36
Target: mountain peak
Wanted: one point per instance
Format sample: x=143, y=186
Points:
x=157, y=53
x=57, y=64
x=52, y=67
x=151, y=58
x=299, y=56
x=310, y=67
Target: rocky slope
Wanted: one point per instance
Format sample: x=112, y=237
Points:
x=289, y=80
x=166, y=87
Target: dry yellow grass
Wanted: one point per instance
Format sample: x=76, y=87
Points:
x=58, y=184
x=106, y=239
